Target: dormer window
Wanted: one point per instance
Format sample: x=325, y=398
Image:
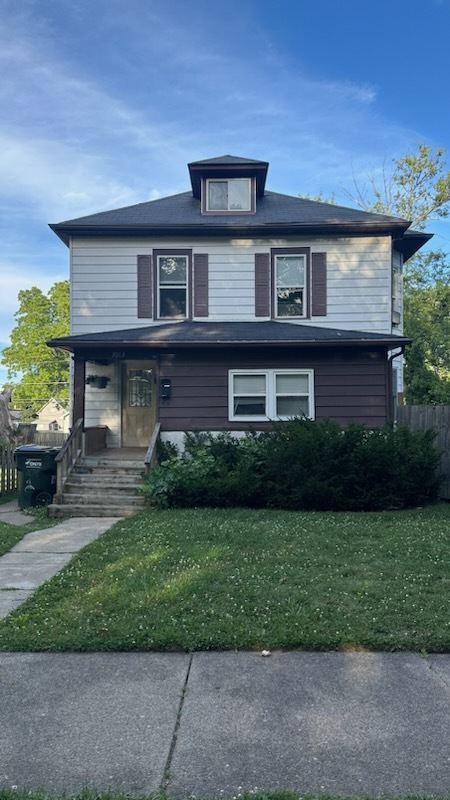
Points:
x=232, y=195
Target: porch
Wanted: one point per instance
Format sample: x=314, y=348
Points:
x=120, y=454
x=95, y=480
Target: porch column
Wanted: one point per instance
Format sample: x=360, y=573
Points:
x=79, y=374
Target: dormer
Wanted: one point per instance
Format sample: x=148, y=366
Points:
x=228, y=184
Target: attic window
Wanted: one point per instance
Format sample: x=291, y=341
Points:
x=229, y=194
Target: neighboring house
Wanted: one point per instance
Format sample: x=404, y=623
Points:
x=16, y=415
x=53, y=416
x=229, y=306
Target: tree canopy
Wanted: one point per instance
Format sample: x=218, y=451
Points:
x=427, y=322
x=42, y=372
x=418, y=189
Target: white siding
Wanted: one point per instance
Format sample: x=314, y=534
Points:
x=104, y=280
x=102, y=406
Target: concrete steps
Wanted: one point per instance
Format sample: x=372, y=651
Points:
x=101, y=488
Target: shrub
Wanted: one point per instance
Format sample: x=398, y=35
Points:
x=300, y=465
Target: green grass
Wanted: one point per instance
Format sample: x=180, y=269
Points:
x=11, y=534
x=6, y=498
x=213, y=579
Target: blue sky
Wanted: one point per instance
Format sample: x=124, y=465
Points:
x=104, y=102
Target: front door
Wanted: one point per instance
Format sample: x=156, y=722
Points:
x=138, y=402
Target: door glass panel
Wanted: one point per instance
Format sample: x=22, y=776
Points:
x=140, y=387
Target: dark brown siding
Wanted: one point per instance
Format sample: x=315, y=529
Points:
x=349, y=387
x=200, y=285
x=262, y=284
x=144, y=284
x=318, y=284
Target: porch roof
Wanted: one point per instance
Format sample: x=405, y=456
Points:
x=225, y=334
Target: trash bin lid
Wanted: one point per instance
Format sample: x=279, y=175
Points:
x=38, y=449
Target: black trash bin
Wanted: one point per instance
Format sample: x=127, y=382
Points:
x=36, y=473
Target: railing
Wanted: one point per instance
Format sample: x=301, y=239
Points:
x=8, y=474
x=68, y=456
x=150, y=457
x=94, y=439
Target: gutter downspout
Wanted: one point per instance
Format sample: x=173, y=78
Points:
x=392, y=407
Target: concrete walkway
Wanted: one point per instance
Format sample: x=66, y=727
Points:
x=213, y=724
x=41, y=554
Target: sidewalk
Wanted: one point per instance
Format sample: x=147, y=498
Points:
x=41, y=554
x=218, y=723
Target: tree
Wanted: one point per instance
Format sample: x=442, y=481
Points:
x=418, y=190
x=43, y=371
x=427, y=322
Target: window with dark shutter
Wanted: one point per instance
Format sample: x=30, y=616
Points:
x=318, y=284
x=200, y=285
x=262, y=284
x=144, y=287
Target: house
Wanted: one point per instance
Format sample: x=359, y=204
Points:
x=229, y=306
x=53, y=416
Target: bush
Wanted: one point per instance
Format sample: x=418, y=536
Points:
x=300, y=465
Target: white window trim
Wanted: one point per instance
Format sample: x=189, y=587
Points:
x=304, y=287
x=271, y=396
x=251, y=184
x=164, y=286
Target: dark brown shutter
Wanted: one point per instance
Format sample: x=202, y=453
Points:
x=200, y=285
x=262, y=285
x=319, y=284
x=144, y=286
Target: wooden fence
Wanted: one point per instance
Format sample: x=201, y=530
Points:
x=436, y=417
x=8, y=474
x=50, y=438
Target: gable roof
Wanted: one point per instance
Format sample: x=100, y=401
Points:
x=55, y=401
x=226, y=334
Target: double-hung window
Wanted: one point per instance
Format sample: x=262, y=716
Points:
x=270, y=394
x=172, y=286
x=290, y=285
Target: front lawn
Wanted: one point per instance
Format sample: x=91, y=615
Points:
x=214, y=579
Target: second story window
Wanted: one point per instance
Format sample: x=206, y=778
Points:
x=290, y=285
x=231, y=194
x=172, y=286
